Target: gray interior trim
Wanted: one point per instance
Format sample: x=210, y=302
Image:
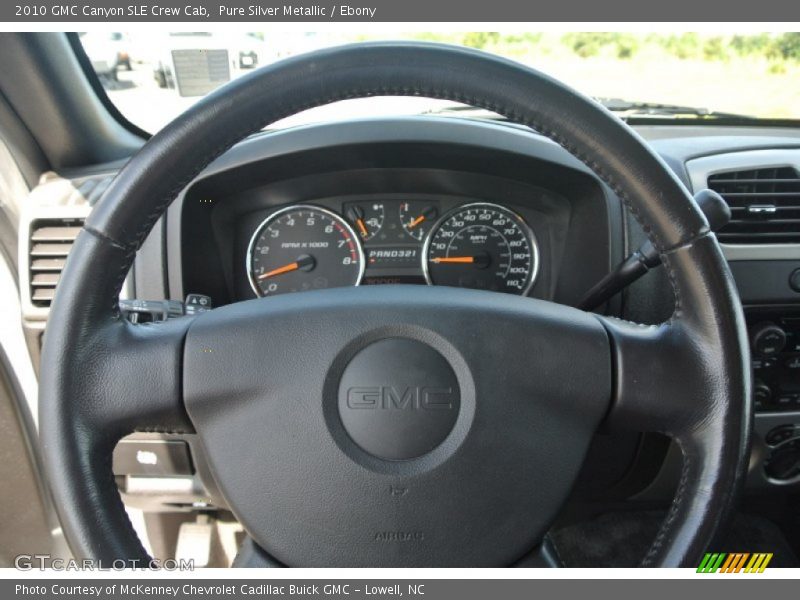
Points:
x=735, y=252
x=28, y=156
x=44, y=83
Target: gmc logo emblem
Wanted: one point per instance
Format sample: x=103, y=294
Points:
x=392, y=398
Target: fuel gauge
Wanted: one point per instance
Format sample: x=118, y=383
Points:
x=367, y=218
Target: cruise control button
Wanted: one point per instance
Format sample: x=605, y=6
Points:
x=197, y=303
x=152, y=457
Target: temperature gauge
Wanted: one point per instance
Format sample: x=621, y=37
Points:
x=417, y=216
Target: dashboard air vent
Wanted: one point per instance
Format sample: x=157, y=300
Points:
x=765, y=205
x=50, y=242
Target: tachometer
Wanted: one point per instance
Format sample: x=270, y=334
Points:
x=302, y=248
x=482, y=246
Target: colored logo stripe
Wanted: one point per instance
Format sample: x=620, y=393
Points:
x=722, y=562
x=734, y=563
x=711, y=563
x=758, y=563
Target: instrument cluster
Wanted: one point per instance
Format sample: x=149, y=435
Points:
x=478, y=245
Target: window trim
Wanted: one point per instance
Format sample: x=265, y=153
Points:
x=94, y=81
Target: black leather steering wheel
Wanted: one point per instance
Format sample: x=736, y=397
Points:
x=520, y=384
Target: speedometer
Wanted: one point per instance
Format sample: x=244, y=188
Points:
x=303, y=248
x=483, y=246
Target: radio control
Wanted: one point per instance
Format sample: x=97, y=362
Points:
x=768, y=339
x=762, y=394
x=787, y=401
x=783, y=463
x=764, y=363
x=793, y=363
x=775, y=350
x=780, y=434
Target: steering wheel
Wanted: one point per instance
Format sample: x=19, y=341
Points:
x=468, y=413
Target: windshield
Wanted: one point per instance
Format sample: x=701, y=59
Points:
x=684, y=77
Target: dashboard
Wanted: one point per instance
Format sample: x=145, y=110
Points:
x=456, y=202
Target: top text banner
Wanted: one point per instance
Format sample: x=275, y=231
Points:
x=451, y=11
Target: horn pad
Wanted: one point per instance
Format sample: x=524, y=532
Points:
x=396, y=425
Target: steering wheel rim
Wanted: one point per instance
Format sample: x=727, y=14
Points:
x=697, y=383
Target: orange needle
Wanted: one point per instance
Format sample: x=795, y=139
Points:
x=454, y=259
x=284, y=269
x=362, y=227
x=416, y=221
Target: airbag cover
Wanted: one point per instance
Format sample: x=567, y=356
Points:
x=497, y=395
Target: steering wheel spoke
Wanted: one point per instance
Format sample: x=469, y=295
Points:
x=666, y=374
x=141, y=378
x=102, y=373
x=658, y=385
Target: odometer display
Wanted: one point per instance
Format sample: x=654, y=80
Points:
x=482, y=246
x=303, y=248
